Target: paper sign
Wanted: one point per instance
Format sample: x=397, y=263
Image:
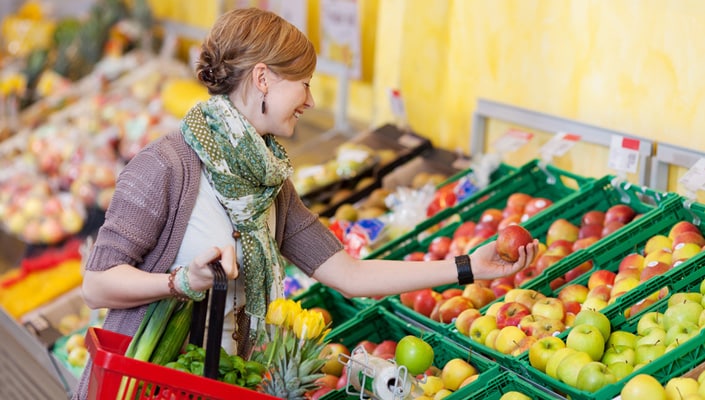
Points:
x=624, y=154
x=513, y=140
x=694, y=179
x=559, y=144
x=340, y=34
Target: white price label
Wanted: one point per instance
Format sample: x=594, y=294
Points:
x=409, y=140
x=513, y=140
x=694, y=178
x=624, y=154
x=559, y=144
x=396, y=103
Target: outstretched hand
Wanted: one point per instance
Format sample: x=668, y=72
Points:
x=486, y=263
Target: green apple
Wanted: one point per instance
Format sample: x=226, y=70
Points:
x=682, y=297
x=621, y=354
x=682, y=312
x=594, y=376
x=570, y=366
x=621, y=369
x=702, y=287
x=701, y=319
x=554, y=362
x=621, y=338
x=680, y=387
x=78, y=356
x=641, y=387
x=596, y=319
x=651, y=318
x=647, y=353
x=542, y=351
x=587, y=338
x=681, y=332
x=653, y=335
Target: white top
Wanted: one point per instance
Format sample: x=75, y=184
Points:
x=210, y=226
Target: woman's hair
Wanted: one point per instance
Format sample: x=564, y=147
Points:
x=244, y=37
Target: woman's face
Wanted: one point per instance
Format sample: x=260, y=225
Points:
x=285, y=102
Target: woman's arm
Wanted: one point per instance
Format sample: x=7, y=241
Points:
x=356, y=278
x=124, y=286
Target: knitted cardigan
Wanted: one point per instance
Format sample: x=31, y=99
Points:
x=146, y=221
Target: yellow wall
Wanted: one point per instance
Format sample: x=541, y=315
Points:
x=635, y=66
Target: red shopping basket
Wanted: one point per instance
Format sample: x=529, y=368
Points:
x=152, y=381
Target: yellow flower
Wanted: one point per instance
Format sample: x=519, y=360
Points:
x=282, y=312
x=308, y=324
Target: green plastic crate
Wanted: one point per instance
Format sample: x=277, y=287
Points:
x=508, y=381
x=533, y=178
x=377, y=324
x=608, y=252
x=672, y=364
x=341, y=308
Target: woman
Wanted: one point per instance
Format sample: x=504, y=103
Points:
x=222, y=183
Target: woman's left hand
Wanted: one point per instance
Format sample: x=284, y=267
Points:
x=486, y=263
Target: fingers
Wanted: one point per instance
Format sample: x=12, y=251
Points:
x=229, y=261
x=206, y=257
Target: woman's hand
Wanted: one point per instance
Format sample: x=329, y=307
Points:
x=200, y=275
x=486, y=263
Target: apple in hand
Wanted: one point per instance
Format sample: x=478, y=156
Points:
x=594, y=376
x=588, y=339
x=542, y=351
x=510, y=239
x=510, y=313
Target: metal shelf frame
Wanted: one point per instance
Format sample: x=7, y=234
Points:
x=488, y=109
x=667, y=155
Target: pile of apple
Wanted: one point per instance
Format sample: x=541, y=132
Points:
x=643, y=386
x=593, y=355
x=512, y=325
x=661, y=252
x=410, y=351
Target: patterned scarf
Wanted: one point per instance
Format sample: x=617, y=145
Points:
x=247, y=171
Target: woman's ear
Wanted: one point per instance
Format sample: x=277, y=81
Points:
x=259, y=77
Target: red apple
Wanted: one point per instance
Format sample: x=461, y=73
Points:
x=632, y=260
x=689, y=237
x=518, y=201
x=368, y=345
x=465, y=319
x=560, y=247
x=525, y=275
x=550, y=308
x=439, y=246
x=511, y=313
x=601, y=277
x=611, y=226
x=425, y=301
x=680, y=227
x=387, y=346
x=330, y=353
x=328, y=380
x=561, y=229
x=513, y=219
x=573, y=292
x=577, y=271
x=556, y=283
x=546, y=260
x=458, y=245
x=432, y=257
x=408, y=298
x=534, y=206
x=452, y=307
x=590, y=230
x=451, y=292
x=493, y=215
x=593, y=217
x=585, y=242
x=510, y=239
x=653, y=268
x=479, y=295
x=619, y=212
x=467, y=228
x=572, y=307
x=601, y=292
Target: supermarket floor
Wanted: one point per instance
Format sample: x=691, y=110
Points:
x=313, y=142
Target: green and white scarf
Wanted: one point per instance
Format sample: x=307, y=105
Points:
x=247, y=172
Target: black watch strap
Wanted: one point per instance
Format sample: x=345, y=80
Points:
x=465, y=275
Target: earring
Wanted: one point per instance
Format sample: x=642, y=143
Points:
x=264, y=107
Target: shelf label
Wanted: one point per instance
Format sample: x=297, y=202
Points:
x=512, y=140
x=396, y=104
x=558, y=145
x=624, y=154
x=410, y=141
x=694, y=179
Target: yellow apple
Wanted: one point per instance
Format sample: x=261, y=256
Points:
x=657, y=242
x=553, y=362
x=680, y=386
x=455, y=372
x=642, y=387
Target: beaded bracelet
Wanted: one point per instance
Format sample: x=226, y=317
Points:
x=182, y=279
x=178, y=296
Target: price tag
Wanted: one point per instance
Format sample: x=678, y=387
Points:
x=396, y=103
x=513, y=140
x=624, y=154
x=559, y=144
x=694, y=179
x=410, y=141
